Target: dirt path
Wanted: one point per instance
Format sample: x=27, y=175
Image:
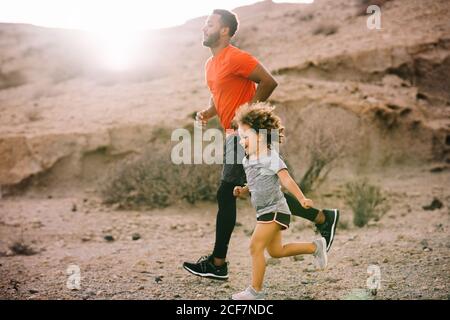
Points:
x=410, y=245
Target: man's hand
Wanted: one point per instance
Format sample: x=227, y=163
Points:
x=307, y=203
x=240, y=192
x=202, y=117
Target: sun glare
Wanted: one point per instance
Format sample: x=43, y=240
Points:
x=115, y=25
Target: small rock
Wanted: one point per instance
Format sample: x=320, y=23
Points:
x=141, y=288
x=177, y=296
x=424, y=243
x=298, y=258
x=385, y=260
x=438, y=169
x=238, y=224
x=33, y=291
x=108, y=238
x=74, y=207
x=158, y=279
x=435, y=204
x=135, y=236
x=49, y=196
x=304, y=282
x=90, y=292
x=427, y=249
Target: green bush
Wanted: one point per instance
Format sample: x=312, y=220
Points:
x=366, y=201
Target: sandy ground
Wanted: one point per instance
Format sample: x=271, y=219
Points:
x=409, y=244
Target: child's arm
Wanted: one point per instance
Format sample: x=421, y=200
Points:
x=289, y=183
x=241, y=192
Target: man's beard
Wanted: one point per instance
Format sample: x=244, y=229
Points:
x=211, y=40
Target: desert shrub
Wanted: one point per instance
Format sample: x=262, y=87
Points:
x=153, y=181
x=318, y=138
x=11, y=79
x=21, y=248
x=325, y=29
x=65, y=73
x=33, y=115
x=366, y=201
x=364, y=4
x=324, y=150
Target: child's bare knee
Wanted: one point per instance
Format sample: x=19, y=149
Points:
x=275, y=253
x=256, y=248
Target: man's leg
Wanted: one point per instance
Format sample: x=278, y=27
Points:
x=311, y=214
x=214, y=265
x=225, y=221
x=326, y=220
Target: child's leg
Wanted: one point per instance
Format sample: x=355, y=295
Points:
x=277, y=250
x=262, y=236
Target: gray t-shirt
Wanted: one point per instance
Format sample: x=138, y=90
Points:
x=264, y=185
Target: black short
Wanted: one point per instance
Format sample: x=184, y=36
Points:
x=282, y=219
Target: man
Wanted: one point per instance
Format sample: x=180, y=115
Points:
x=231, y=76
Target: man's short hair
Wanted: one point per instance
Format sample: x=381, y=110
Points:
x=228, y=19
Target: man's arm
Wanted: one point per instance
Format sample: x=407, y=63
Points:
x=211, y=111
x=207, y=114
x=266, y=83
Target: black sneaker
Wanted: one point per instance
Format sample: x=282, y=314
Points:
x=328, y=228
x=206, y=268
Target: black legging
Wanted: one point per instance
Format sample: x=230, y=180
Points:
x=226, y=216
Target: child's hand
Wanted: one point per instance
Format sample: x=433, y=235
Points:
x=239, y=191
x=307, y=203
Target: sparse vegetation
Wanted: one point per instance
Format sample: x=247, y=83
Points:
x=154, y=181
x=306, y=17
x=21, y=248
x=366, y=201
x=65, y=73
x=11, y=79
x=364, y=4
x=323, y=146
x=325, y=29
x=33, y=115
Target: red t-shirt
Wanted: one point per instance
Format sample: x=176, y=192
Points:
x=227, y=78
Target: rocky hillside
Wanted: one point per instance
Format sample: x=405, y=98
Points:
x=63, y=119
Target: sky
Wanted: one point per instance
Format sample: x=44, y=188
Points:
x=98, y=15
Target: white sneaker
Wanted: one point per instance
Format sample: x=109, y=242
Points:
x=248, y=294
x=320, y=256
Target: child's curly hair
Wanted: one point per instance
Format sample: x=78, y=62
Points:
x=260, y=116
